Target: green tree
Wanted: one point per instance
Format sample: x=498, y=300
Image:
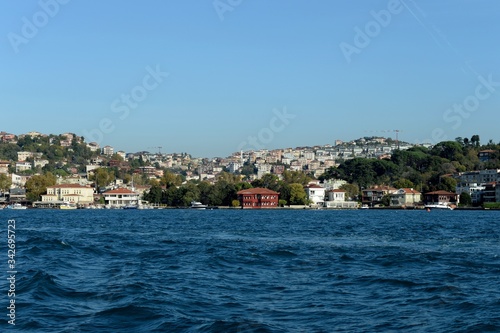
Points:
x=475, y=141
x=5, y=183
x=103, y=177
x=465, y=199
x=37, y=185
x=332, y=173
x=170, y=179
x=447, y=184
x=154, y=194
x=386, y=200
x=352, y=190
x=447, y=149
x=298, y=195
x=296, y=177
x=403, y=183
x=268, y=181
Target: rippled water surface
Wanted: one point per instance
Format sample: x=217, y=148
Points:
x=254, y=271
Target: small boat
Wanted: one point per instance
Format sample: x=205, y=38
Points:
x=16, y=206
x=130, y=207
x=439, y=206
x=198, y=205
x=364, y=207
x=67, y=205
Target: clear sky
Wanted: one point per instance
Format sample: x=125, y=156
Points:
x=212, y=77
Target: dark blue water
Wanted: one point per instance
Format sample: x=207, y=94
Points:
x=254, y=271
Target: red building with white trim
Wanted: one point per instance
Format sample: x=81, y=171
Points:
x=256, y=198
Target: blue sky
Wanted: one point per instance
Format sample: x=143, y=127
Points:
x=230, y=74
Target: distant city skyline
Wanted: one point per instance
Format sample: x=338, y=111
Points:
x=211, y=78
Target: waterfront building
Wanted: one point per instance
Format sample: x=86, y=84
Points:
x=121, y=197
x=256, y=198
x=405, y=197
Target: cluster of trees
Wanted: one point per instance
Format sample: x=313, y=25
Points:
x=418, y=167
x=60, y=158
x=172, y=192
x=37, y=185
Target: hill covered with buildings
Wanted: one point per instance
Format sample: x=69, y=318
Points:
x=32, y=163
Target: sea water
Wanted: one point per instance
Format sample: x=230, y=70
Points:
x=252, y=271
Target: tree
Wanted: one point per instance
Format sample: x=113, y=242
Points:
x=465, y=199
x=268, y=181
x=296, y=177
x=352, y=190
x=331, y=173
x=5, y=183
x=298, y=195
x=475, y=141
x=447, y=149
x=403, y=183
x=37, y=185
x=386, y=200
x=154, y=194
x=447, y=184
x=103, y=176
x=170, y=179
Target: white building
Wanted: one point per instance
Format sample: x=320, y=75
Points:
x=121, y=197
x=69, y=193
x=40, y=163
x=473, y=189
x=24, y=155
x=108, y=150
x=18, y=180
x=316, y=194
x=333, y=184
x=479, y=177
x=23, y=166
x=4, y=167
x=336, y=199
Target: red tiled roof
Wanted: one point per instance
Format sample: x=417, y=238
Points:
x=338, y=190
x=442, y=193
x=120, y=191
x=257, y=190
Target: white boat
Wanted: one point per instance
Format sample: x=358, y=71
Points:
x=67, y=205
x=439, y=206
x=16, y=206
x=198, y=205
